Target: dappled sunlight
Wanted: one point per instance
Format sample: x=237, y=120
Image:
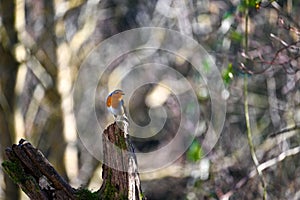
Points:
x=211, y=92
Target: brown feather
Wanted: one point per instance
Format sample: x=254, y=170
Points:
x=115, y=100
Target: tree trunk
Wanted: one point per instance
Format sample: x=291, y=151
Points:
x=28, y=167
x=120, y=174
x=8, y=74
x=48, y=134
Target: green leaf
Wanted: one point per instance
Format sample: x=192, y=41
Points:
x=236, y=36
x=206, y=65
x=194, y=152
x=250, y=4
x=228, y=74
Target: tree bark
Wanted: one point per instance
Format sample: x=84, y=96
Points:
x=120, y=175
x=28, y=168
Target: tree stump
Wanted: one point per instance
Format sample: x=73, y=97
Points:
x=120, y=174
x=28, y=168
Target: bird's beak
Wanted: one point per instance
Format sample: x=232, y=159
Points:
x=122, y=93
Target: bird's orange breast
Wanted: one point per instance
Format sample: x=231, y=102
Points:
x=108, y=101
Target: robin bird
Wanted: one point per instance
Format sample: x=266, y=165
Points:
x=115, y=104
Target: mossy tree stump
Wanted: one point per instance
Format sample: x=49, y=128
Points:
x=120, y=174
x=28, y=168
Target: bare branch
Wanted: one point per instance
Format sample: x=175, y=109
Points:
x=260, y=167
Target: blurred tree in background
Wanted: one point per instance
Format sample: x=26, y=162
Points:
x=9, y=69
x=43, y=44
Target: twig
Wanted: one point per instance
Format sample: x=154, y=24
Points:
x=285, y=130
x=246, y=107
x=261, y=167
x=292, y=47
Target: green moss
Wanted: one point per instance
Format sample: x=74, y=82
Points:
x=110, y=191
x=142, y=196
x=18, y=175
x=85, y=194
x=120, y=141
x=15, y=171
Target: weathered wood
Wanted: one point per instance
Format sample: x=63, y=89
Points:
x=34, y=174
x=27, y=183
x=120, y=174
x=28, y=168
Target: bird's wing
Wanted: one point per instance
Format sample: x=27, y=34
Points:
x=125, y=116
x=124, y=108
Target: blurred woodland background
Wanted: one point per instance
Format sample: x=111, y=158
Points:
x=44, y=42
